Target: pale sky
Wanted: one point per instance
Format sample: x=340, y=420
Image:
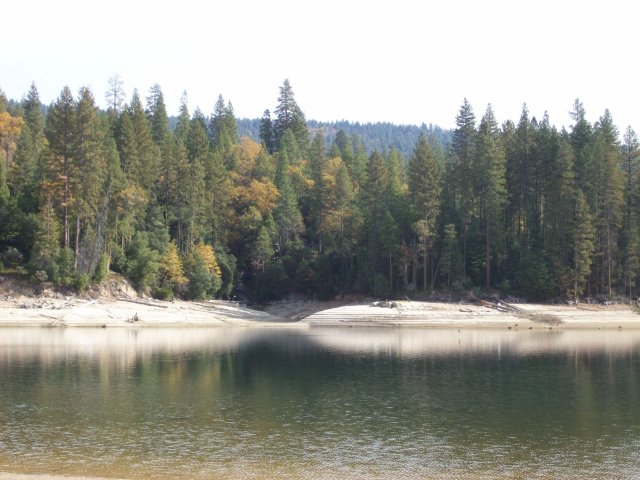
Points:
x=399, y=61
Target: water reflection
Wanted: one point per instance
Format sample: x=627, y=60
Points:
x=120, y=347
x=320, y=403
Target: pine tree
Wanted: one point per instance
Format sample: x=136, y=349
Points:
x=582, y=244
x=30, y=153
x=377, y=222
x=145, y=164
x=157, y=113
x=631, y=233
x=609, y=188
x=289, y=116
x=89, y=167
x=287, y=213
x=266, y=132
x=59, y=132
x=115, y=96
x=490, y=186
x=462, y=149
x=424, y=192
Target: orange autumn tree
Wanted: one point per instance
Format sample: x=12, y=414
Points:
x=10, y=128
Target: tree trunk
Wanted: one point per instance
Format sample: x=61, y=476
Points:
x=425, y=264
x=488, y=252
x=76, y=247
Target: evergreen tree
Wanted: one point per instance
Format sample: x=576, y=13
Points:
x=377, y=221
x=289, y=116
x=609, y=188
x=631, y=235
x=29, y=157
x=59, y=132
x=266, y=132
x=582, y=244
x=462, y=150
x=115, y=96
x=287, y=214
x=490, y=187
x=424, y=192
x=89, y=166
x=157, y=113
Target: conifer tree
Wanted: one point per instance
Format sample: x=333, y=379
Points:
x=266, y=132
x=145, y=164
x=462, y=149
x=59, y=131
x=631, y=233
x=287, y=213
x=582, y=244
x=89, y=166
x=609, y=188
x=290, y=116
x=30, y=153
x=157, y=113
x=377, y=222
x=491, y=188
x=424, y=192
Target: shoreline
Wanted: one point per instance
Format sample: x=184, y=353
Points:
x=111, y=312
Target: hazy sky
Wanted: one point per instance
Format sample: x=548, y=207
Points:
x=400, y=61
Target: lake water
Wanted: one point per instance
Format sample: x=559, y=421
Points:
x=320, y=403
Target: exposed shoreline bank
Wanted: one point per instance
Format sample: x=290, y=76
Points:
x=110, y=312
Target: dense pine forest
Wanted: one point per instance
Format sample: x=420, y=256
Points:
x=188, y=207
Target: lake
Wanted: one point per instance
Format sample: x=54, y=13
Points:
x=224, y=403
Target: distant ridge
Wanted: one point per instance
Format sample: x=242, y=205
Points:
x=381, y=136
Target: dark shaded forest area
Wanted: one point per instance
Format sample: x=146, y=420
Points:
x=190, y=207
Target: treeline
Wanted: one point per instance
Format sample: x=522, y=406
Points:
x=381, y=136
x=195, y=211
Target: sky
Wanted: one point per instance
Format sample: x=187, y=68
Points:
x=399, y=61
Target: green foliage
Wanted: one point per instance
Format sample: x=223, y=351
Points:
x=102, y=269
x=11, y=257
x=533, y=278
x=162, y=293
x=203, y=282
x=522, y=206
x=81, y=282
x=142, y=263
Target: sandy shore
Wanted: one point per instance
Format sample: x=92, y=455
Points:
x=24, y=476
x=454, y=315
x=109, y=312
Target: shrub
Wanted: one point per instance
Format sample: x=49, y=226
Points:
x=11, y=257
x=162, y=293
x=64, y=262
x=102, y=269
x=142, y=263
x=39, y=277
x=81, y=282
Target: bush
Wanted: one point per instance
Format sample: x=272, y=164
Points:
x=143, y=263
x=81, y=282
x=11, y=257
x=200, y=279
x=102, y=269
x=39, y=277
x=162, y=293
x=64, y=262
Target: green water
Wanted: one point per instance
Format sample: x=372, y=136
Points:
x=320, y=403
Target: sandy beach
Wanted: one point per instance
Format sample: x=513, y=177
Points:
x=132, y=312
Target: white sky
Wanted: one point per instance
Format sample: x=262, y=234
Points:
x=400, y=61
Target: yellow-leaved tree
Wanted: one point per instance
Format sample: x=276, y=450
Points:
x=203, y=272
x=171, y=269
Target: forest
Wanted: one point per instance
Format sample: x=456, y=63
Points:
x=187, y=207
